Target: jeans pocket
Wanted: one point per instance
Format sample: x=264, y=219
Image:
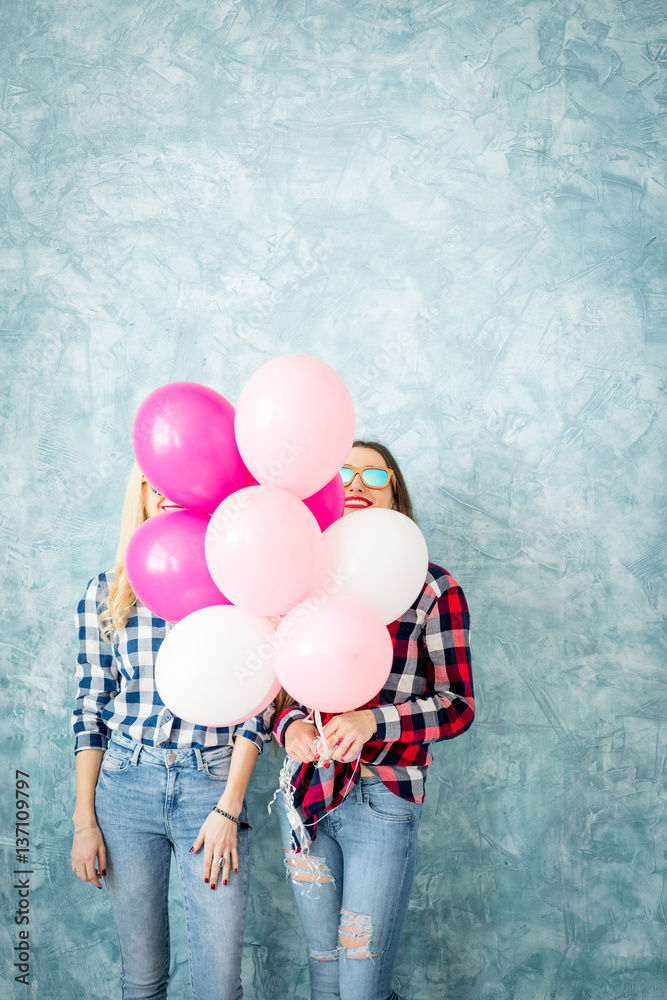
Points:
x=216, y=765
x=115, y=761
x=384, y=805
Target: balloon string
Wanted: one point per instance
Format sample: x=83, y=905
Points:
x=321, y=743
x=323, y=748
x=285, y=786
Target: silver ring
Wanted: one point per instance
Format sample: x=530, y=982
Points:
x=221, y=862
x=76, y=869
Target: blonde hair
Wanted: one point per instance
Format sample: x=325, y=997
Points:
x=120, y=596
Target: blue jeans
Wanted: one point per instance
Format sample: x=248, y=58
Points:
x=352, y=891
x=151, y=802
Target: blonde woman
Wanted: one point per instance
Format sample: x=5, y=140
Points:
x=150, y=786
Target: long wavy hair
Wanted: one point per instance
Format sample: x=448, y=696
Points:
x=120, y=597
x=402, y=503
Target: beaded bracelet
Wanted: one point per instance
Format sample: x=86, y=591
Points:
x=234, y=819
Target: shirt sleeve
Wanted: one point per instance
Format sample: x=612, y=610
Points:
x=258, y=729
x=446, y=708
x=285, y=719
x=96, y=672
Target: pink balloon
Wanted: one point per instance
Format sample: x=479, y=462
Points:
x=264, y=549
x=332, y=653
x=328, y=504
x=294, y=423
x=183, y=440
x=166, y=567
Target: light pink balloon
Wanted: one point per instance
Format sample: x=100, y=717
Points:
x=166, y=567
x=264, y=547
x=183, y=440
x=328, y=504
x=332, y=653
x=294, y=423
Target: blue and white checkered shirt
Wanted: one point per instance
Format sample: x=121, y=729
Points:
x=117, y=686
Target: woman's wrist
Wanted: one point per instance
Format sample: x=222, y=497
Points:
x=369, y=715
x=226, y=815
x=81, y=829
x=84, y=819
x=230, y=804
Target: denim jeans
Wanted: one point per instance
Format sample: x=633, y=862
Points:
x=151, y=802
x=352, y=891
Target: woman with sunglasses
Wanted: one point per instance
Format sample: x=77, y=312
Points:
x=352, y=884
x=149, y=784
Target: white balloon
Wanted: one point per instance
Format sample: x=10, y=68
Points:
x=215, y=666
x=377, y=556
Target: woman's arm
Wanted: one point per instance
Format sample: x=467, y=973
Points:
x=218, y=834
x=97, y=679
x=87, y=843
x=96, y=671
x=295, y=735
x=446, y=707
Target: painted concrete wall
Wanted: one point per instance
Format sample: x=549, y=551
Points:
x=461, y=207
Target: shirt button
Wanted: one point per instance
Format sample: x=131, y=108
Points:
x=168, y=717
x=171, y=757
x=162, y=743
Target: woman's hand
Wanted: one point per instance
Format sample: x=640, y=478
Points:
x=218, y=835
x=300, y=739
x=87, y=845
x=348, y=732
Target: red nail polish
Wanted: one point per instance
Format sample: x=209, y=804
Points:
x=317, y=756
x=326, y=763
x=213, y=886
x=236, y=871
x=104, y=871
x=224, y=881
x=192, y=850
x=205, y=880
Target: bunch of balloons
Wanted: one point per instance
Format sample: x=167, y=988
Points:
x=267, y=583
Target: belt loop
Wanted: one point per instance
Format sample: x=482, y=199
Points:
x=198, y=758
x=360, y=796
x=135, y=754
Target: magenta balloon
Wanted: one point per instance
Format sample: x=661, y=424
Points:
x=166, y=567
x=332, y=653
x=183, y=440
x=294, y=423
x=328, y=504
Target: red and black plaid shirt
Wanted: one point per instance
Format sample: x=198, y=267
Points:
x=428, y=697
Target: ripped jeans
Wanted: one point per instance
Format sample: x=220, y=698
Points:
x=352, y=891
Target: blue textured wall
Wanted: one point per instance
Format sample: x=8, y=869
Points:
x=461, y=206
